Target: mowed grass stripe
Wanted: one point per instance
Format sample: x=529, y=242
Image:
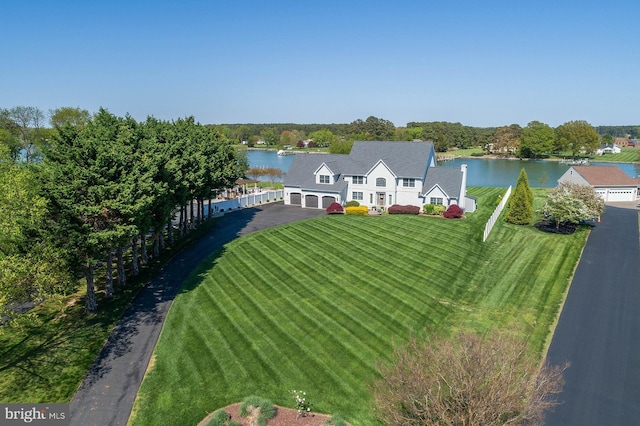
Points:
x=325, y=307
x=351, y=285
x=317, y=324
x=367, y=288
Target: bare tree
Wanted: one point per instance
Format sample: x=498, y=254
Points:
x=29, y=122
x=465, y=380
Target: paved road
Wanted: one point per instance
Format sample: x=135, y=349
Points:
x=599, y=328
x=107, y=393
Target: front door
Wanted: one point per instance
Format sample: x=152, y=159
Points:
x=380, y=198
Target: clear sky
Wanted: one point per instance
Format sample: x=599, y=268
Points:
x=481, y=63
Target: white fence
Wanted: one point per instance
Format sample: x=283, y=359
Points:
x=248, y=200
x=496, y=214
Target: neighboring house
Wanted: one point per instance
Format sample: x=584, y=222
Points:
x=608, y=149
x=376, y=174
x=609, y=182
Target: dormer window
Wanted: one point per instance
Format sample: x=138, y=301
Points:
x=325, y=179
x=381, y=182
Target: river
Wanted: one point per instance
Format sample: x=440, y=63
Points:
x=482, y=171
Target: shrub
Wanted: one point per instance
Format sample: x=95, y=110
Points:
x=222, y=418
x=265, y=407
x=453, y=212
x=352, y=203
x=335, y=208
x=336, y=420
x=398, y=209
x=358, y=211
x=428, y=209
x=438, y=209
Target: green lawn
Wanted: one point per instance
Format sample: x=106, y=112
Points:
x=628, y=155
x=314, y=305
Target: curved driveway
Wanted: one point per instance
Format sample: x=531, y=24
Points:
x=107, y=393
x=599, y=328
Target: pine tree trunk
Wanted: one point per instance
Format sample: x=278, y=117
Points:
x=122, y=277
x=156, y=244
x=185, y=223
x=209, y=213
x=201, y=215
x=143, y=249
x=191, y=216
x=162, y=241
x=108, y=290
x=134, y=260
x=170, y=232
x=90, y=304
x=181, y=223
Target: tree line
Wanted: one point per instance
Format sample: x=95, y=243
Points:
x=535, y=140
x=94, y=190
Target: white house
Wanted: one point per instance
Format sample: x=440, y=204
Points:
x=608, y=149
x=376, y=174
x=609, y=182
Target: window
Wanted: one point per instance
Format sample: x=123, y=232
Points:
x=357, y=196
x=358, y=180
x=324, y=179
x=435, y=200
x=390, y=198
x=409, y=182
x=381, y=182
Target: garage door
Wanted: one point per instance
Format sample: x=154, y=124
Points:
x=311, y=201
x=620, y=195
x=295, y=198
x=326, y=201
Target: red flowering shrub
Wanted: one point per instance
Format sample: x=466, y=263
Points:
x=453, y=212
x=335, y=208
x=398, y=209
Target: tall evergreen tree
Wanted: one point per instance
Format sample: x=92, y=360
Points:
x=521, y=202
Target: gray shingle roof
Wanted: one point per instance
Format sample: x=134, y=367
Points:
x=448, y=178
x=405, y=159
x=303, y=166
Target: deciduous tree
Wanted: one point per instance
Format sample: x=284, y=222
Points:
x=465, y=380
x=572, y=203
x=537, y=139
x=577, y=136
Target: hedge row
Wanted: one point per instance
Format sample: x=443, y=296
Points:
x=357, y=210
x=399, y=209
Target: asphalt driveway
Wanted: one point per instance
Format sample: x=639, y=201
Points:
x=107, y=393
x=599, y=328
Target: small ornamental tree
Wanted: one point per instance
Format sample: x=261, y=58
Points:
x=465, y=380
x=521, y=202
x=572, y=203
x=453, y=212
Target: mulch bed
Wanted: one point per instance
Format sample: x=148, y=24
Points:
x=284, y=417
x=550, y=226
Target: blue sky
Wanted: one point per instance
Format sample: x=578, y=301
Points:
x=481, y=63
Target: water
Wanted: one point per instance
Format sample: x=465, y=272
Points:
x=481, y=171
